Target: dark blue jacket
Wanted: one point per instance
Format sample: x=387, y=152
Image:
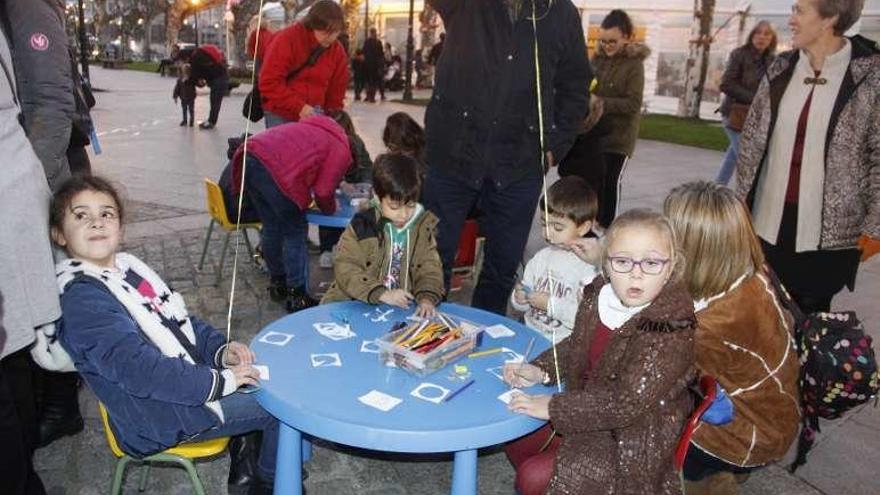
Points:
x=483, y=116
x=154, y=401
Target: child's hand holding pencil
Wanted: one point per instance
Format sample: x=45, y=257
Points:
x=519, y=375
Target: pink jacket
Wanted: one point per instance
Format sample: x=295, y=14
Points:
x=305, y=158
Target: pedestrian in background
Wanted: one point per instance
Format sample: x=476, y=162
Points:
x=743, y=73
x=185, y=90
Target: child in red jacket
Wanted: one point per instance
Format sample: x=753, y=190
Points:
x=285, y=167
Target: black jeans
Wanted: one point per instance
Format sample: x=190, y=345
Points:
x=698, y=465
x=18, y=425
x=189, y=109
x=505, y=222
x=219, y=87
x=614, y=165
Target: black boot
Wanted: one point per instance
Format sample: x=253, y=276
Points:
x=277, y=290
x=298, y=298
x=59, y=413
x=243, y=453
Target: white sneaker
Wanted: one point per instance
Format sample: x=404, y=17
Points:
x=326, y=259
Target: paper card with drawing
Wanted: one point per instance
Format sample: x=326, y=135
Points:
x=334, y=331
x=506, y=397
x=326, y=360
x=275, y=338
x=430, y=392
x=498, y=331
x=379, y=400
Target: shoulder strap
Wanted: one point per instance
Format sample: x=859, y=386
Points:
x=313, y=58
x=784, y=296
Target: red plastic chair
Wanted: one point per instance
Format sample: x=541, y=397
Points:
x=708, y=390
x=469, y=255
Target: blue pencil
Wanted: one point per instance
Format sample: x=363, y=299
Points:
x=453, y=394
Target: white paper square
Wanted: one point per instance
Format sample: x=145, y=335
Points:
x=275, y=338
x=497, y=371
x=498, y=331
x=263, y=370
x=370, y=346
x=430, y=392
x=506, y=397
x=326, y=360
x=511, y=356
x=379, y=400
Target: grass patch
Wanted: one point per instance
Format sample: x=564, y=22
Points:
x=688, y=132
x=143, y=66
x=666, y=128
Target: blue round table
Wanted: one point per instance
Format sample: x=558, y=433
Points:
x=323, y=401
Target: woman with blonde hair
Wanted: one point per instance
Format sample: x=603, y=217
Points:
x=743, y=338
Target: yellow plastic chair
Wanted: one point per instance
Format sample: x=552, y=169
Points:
x=183, y=454
x=217, y=210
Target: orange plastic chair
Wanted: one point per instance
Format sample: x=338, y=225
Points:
x=183, y=454
x=707, y=389
x=217, y=210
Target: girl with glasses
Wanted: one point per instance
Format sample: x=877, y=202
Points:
x=626, y=368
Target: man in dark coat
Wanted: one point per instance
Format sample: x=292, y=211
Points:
x=374, y=64
x=209, y=64
x=482, y=124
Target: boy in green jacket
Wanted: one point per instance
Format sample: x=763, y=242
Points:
x=388, y=254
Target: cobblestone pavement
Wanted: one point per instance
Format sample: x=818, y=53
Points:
x=161, y=167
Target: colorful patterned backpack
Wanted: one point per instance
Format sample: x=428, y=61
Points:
x=838, y=367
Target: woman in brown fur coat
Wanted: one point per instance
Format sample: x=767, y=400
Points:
x=743, y=339
x=626, y=368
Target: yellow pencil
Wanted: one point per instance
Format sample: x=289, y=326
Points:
x=487, y=352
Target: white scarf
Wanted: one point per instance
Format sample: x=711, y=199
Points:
x=168, y=303
x=612, y=312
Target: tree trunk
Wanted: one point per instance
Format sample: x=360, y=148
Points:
x=243, y=11
x=698, y=59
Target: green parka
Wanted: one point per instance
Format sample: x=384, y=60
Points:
x=621, y=82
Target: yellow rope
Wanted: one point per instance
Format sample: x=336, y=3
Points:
x=247, y=129
x=543, y=163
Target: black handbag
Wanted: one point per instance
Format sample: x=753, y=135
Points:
x=252, y=109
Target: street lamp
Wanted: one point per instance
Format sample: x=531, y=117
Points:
x=410, y=46
x=195, y=4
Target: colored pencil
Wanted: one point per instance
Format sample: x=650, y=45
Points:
x=487, y=352
x=458, y=391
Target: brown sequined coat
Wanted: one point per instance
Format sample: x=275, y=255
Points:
x=619, y=430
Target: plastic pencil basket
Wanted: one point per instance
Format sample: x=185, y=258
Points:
x=426, y=346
